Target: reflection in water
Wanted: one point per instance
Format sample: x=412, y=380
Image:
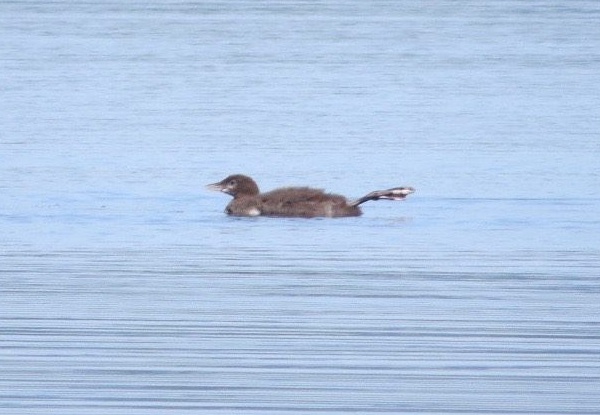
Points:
x=199, y=328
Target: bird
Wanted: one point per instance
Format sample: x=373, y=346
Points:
x=295, y=202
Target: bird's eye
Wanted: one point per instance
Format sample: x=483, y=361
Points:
x=232, y=183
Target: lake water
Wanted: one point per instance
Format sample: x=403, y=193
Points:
x=126, y=290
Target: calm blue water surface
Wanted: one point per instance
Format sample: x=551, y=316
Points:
x=126, y=290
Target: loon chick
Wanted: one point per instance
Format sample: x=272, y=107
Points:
x=301, y=202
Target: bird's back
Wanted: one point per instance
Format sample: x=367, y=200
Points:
x=305, y=202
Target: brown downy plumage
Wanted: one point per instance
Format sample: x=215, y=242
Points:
x=303, y=202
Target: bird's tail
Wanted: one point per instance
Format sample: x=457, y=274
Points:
x=396, y=193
